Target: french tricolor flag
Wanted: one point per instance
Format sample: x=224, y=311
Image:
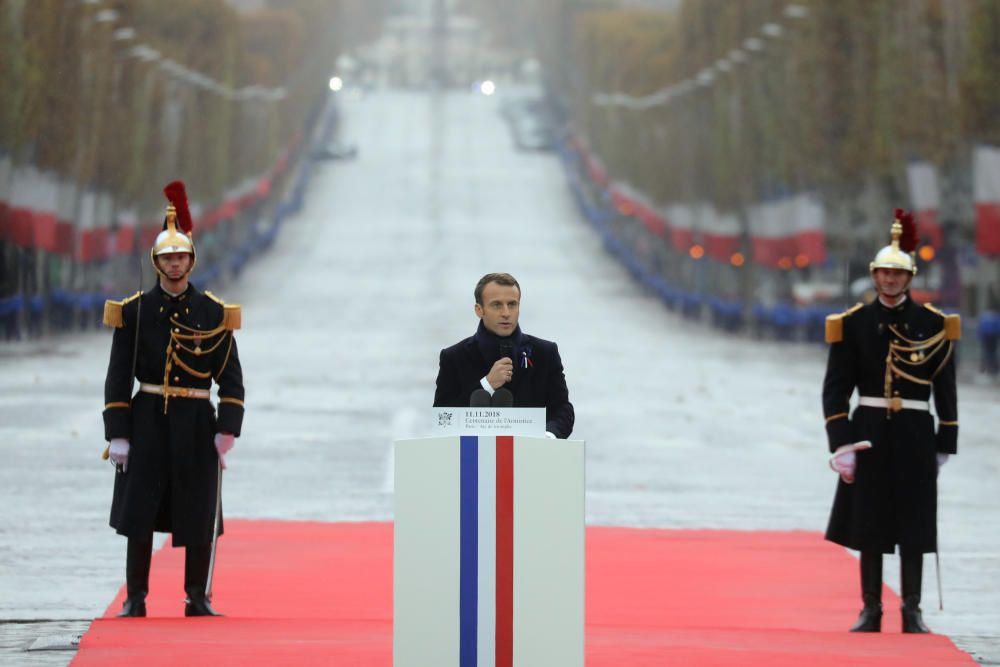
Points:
x=986, y=194
x=488, y=551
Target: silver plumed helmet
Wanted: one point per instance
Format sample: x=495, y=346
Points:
x=899, y=254
x=178, y=228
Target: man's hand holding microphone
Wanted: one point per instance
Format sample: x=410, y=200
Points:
x=501, y=373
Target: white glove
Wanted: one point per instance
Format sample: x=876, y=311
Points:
x=844, y=460
x=942, y=458
x=118, y=452
x=223, y=443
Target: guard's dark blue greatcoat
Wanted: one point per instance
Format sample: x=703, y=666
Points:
x=538, y=381
x=184, y=342
x=903, y=352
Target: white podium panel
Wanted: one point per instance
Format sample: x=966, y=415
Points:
x=488, y=554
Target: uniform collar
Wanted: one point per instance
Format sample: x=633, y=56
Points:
x=173, y=298
x=896, y=308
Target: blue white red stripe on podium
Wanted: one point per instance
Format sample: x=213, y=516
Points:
x=486, y=560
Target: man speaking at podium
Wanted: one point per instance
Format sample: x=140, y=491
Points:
x=502, y=366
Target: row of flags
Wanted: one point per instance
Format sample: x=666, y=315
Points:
x=41, y=210
x=986, y=195
x=790, y=230
x=783, y=230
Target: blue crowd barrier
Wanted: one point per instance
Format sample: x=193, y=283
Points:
x=11, y=305
x=691, y=305
x=727, y=314
x=782, y=321
x=988, y=332
x=786, y=320
x=669, y=294
x=989, y=325
x=10, y=316
x=814, y=322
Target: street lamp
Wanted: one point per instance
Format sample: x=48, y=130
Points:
x=772, y=30
x=106, y=16
x=794, y=11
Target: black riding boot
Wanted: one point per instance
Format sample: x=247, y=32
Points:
x=196, y=563
x=870, y=619
x=137, y=556
x=911, y=575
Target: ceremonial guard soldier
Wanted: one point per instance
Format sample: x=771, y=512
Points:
x=898, y=355
x=167, y=441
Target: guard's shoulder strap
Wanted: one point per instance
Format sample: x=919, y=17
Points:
x=933, y=309
x=952, y=323
x=113, y=311
x=232, y=314
x=835, y=324
x=214, y=298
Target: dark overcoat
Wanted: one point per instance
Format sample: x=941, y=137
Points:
x=171, y=481
x=538, y=380
x=893, y=500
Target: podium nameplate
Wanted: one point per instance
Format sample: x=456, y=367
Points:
x=488, y=421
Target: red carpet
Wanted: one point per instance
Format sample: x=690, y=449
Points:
x=300, y=593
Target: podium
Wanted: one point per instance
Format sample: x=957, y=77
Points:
x=488, y=553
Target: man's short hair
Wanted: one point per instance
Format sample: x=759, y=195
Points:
x=499, y=279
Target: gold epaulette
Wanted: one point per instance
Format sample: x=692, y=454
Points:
x=232, y=315
x=835, y=324
x=952, y=323
x=953, y=327
x=113, y=311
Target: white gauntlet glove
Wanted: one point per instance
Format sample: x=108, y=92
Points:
x=223, y=443
x=118, y=452
x=844, y=460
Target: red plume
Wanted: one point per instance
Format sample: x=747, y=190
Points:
x=908, y=239
x=178, y=197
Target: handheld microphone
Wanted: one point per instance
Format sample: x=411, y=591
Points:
x=507, y=350
x=480, y=398
x=502, y=398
